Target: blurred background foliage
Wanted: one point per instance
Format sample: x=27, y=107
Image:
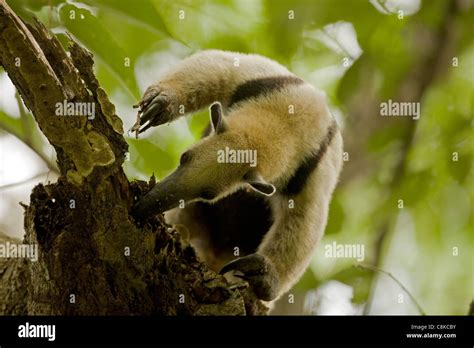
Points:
x=406, y=192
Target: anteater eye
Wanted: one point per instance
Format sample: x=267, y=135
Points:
x=185, y=157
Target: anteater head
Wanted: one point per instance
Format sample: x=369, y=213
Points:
x=216, y=166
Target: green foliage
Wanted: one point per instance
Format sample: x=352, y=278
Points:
x=11, y=125
x=98, y=39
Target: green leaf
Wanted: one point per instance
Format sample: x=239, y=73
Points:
x=359, y=279
x=141, y=12
x=336, y=216
x=307, y=282
x=95, y=36
x=209, y=24
x=352, y=79
x=148, y=158
x=197, y=124
x=11, y=125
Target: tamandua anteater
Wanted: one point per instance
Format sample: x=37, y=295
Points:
x=273, y=211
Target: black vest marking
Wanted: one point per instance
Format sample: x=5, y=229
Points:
x=298, y=181
x=262, y=86
x=244, y=217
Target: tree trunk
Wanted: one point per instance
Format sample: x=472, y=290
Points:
x=93, y=257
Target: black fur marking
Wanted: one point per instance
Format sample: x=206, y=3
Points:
x=298, y=181
x=262, y=86
x=238, y=220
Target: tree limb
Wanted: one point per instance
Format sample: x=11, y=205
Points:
x=94, y=259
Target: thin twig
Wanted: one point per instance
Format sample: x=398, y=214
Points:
x=376, y=269
x=27, y=138
x=27, y=132
x=382, y=4
x=18, y=183
x=49, y=162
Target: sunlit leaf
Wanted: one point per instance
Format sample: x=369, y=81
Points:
x=140, y=12
x=11, y=125
x=98, y=39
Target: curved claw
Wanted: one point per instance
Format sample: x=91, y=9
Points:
x=258, y=272
x=143, y=128
x=154, y=108
x=153, y=111
x=253, y=264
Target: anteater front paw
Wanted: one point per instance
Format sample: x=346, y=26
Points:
x=154, y=109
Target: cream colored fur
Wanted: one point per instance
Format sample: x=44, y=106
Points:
x=282, y=141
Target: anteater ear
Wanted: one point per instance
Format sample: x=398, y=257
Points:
x=258, y=184
x=217, y=120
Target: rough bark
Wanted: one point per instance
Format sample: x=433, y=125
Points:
x=81, y=223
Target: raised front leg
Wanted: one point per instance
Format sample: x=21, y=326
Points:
x=197, y=82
